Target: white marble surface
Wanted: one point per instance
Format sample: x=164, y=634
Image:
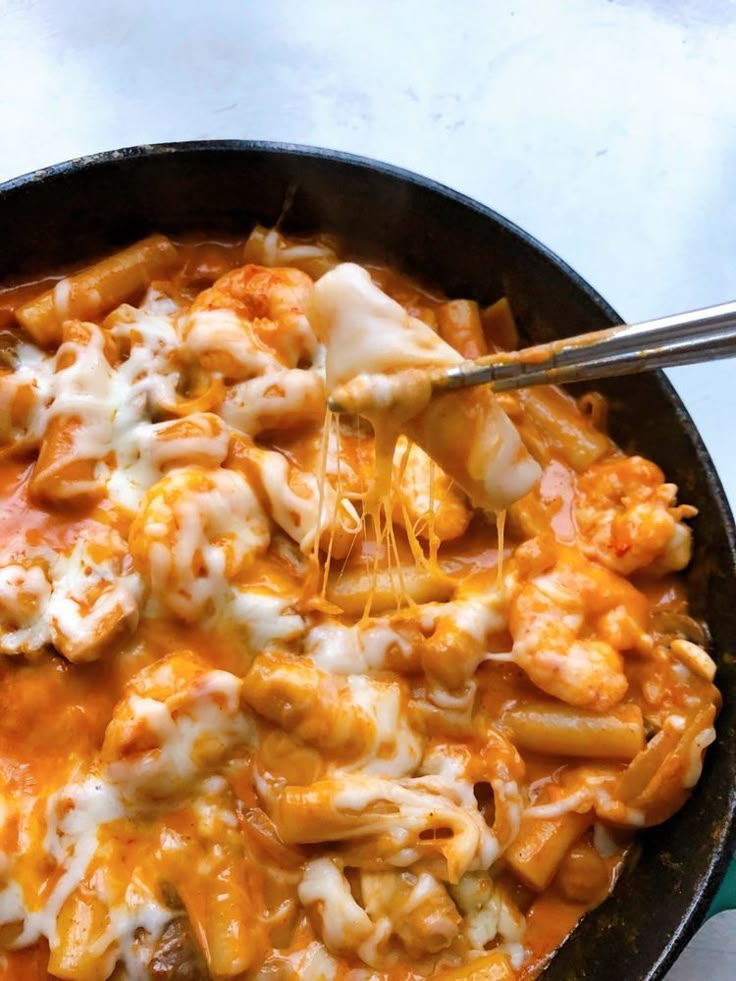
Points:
x=607, y=128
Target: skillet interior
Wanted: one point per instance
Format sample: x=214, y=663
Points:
x=89, y=206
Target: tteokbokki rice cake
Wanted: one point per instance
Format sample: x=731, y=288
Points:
x=290, y=694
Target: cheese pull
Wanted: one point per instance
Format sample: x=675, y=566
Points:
x=370, y=337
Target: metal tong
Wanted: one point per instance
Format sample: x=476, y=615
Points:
x=686, y=338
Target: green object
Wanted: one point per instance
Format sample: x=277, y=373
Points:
x=726, y=896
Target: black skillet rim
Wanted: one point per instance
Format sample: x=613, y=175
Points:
x=723, y=850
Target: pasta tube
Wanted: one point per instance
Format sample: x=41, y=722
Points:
x=491, y=967
x=349, y=589
x=563, y=427
x=561, y=730
x=460, y=325
x=389, y=820
x=542, y=843
x=92, y=291
x=80, y=953
x=499, y=326
x=79, y=429
x=236, y=939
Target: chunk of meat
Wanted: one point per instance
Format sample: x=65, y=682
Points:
x=177, y=956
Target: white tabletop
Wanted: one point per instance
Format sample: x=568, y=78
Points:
x=607, y=128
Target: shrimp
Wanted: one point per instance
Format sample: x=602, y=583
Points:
x=252, y=321
x=464, y=630
x=197, y=529
x=362, y=721
x=570, y=621
x=308, y=702
x=175, y=722
x=627, y=519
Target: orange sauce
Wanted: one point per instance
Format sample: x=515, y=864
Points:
x=53, y=714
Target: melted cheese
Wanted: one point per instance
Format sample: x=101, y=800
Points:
x=186, y=733
x=196, y=530
x=268, y=618
x=74, y=815
x=25, y=592
x=695, y=758
x=77, y=601
x=145, y=385
x=396, y=749
x=418, y=805
x=313, y=963
x=210, y=332
x=94, y=596
x=305, y=788
x=478, y=898
x=275, y=401
x=366, y=333
x=83, y=388
x=25, y=395
x=323, y=883
x=76, y=819
x=355, y=650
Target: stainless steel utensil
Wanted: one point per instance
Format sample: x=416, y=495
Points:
x=685, y=338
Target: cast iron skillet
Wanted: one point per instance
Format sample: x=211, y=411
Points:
x=89, y=206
